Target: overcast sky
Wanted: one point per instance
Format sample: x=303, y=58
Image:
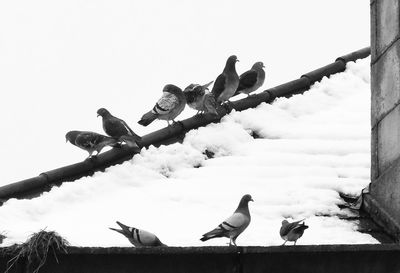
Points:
x=62, y=60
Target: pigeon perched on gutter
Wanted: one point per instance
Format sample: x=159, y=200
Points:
x=168, y=107
x=118, y=129
x=251, y=80
x=89, y=141
x=227, y=82
x=292, y=231
x=198, y=98
x=233, y=226
x=138, y=237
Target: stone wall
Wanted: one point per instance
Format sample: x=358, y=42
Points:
x=383, y=202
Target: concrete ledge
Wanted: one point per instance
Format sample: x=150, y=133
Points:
x=311, y=258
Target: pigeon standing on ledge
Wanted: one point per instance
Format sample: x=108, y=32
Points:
x=251, y=80
x=198, y=98
x=292, y=231
x=227, y=82
x=168, y=107
x=89, y=141
x=138, y=237
x=234, y=225
x=118, y=129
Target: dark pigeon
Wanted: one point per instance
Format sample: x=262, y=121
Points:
x=118, y=129
x=227, y=82
x=292, y=231
x=251, y=80
x=89, y=141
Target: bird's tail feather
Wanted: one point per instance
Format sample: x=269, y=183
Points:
x=110, y=141
x=147, y=118
x=208, y=237
x=212, y=234
x=207, y=85
x=107, y=142
x=210, y=104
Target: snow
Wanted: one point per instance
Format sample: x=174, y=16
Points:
x=312, y=147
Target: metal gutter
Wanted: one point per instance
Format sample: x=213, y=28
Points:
x=34, y=186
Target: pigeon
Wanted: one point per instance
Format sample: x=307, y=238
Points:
x=198, y=98
x=89, y=141
x=227, y=82
x=251, y=80
x=138, y=237
x=168, y=107
x=233, y=226
x=292, y=231
x=118, y=129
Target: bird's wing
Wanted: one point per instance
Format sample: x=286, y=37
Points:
x=131, y=132
x=247, y=79
x=285, y=229
x=235, y=221
x=210, y=104
x=219, y=85
x=88, y=139
x=126, y=126
x=145, y=238
x=166, y=103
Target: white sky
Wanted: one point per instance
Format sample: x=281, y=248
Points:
x=62, y=60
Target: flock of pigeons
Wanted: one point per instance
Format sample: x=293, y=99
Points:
x=231, y=228
x=168, y=107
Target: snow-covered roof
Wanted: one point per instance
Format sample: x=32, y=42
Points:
x=294, y=157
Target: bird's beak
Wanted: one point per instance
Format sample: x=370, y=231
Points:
x=98, y=115
x=237, y=60
x=263, y=66
x=252, y=200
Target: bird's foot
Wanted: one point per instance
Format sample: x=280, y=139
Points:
x=117, y=145
x=228, y=106
x=91, y=158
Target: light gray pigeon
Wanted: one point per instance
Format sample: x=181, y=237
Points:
x=227, y=82
x=251, y=80
x=118, y=129
x=198, y=98
x=138, y=237
x=89, y=141
x=168, y=107
x=292, y=231
x=233, y=226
